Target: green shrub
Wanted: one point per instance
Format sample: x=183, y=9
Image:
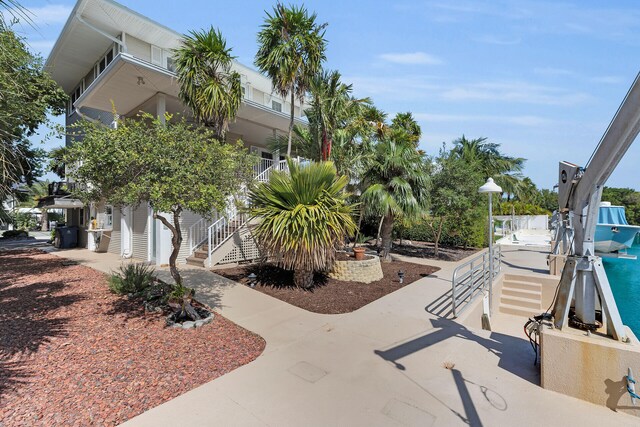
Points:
x=15, y=233
x=132, y=278
x=25, y=221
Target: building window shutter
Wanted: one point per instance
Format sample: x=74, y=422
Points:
x=156, y=55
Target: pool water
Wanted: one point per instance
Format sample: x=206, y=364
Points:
x=624, y=277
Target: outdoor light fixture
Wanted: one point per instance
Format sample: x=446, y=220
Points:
x=140, y=80
x=490, y=187
x=252, y=280
x=401, y=276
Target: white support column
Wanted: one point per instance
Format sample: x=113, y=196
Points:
x=126, y=224
x=161, y=106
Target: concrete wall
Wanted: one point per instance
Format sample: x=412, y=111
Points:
x=590, y=368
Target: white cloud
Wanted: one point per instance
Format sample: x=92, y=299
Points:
x=413, y=58
x=525, y=120
x=610, y=80
x=520, y=92
x=50, y=14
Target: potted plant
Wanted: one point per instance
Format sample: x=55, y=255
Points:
x=358, y=253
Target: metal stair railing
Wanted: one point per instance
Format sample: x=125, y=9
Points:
x=199, y=231
x=472, y=279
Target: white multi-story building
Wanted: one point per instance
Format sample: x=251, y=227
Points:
x=108, y=55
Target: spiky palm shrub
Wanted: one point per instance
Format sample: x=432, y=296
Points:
x=303, y=217
x=208, y=85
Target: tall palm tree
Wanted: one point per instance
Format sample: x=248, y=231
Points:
x=291, y=51
x=303, y=216
x=396, y=183
x=332, y=108
x=208, y=85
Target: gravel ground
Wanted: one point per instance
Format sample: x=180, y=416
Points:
x=328, y=296
x=72, y=353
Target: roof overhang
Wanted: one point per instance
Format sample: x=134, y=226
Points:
x=263, y=115
x=59, y=202
x=127, y=83
x=90, y=30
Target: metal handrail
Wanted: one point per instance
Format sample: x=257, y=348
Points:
x=472, y=279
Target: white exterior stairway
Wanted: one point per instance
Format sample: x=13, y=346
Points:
x=521, y=296
x=211, y=240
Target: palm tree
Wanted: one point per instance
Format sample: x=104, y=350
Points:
x=291, y=51
x=396, y=182
x=408, y=123
x=303, y=217
x=332, y=108
x=490, y=160
x=208, y=85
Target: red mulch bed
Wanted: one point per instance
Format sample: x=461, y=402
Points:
x=328, y=296
x=72, y=353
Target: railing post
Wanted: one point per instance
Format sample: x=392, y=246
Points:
x=209, y=230
x=453, y=293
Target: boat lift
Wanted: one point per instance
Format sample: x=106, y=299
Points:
x=583, y=279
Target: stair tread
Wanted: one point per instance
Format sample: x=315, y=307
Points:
x=520, y=282
x=518, y=310
x=523, y=299
x=522, y=291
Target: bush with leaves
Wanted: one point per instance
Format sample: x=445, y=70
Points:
x=132, y=278
x=10, y=234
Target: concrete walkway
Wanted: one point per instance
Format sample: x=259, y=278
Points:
x=383, y=364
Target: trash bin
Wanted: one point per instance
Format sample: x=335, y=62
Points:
x=66, y=237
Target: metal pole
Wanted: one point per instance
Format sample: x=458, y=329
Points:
x=490, y=255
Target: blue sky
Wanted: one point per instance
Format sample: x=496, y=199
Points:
x=543, y=79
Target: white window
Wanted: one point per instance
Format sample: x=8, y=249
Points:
x=276, y=105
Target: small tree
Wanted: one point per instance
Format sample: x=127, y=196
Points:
x=454, y=193
x=173, y=166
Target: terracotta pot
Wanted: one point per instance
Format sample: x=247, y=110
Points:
x=359, y=254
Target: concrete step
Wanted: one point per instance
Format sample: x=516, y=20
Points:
x=201, y=254
x=521, y=302
x=519, y=284
x=197, y=262
x=522, y=293
x=519, y=311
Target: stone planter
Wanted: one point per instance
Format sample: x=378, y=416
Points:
x=366, y=271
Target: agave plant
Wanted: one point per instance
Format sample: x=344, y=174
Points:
x=303, y=217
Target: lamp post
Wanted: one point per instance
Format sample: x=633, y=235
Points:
x=490, y=187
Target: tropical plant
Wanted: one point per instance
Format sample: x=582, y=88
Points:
x=131, y=278
x=454, y=194
x=291, y=49
x=506, y=170
x=302, y=217
x=37, y=191
x=396, y=182
x=27, y=96
x=169, y=164
x=208, y=85
x=332, y=108
x=406, y=122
